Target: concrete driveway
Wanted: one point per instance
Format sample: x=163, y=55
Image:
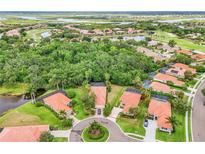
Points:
x=150, y=131
x=198, y=116
x=116, y=135
x=114, y=114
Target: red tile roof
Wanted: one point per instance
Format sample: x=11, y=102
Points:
x=130, y=100
x=100, y=92
x=22, y=133
x=161, y=110
x=14, y=32
x=184, y=66
x=164, y=78
x=198, y=57
x=58, y=102
x=186, y=52
x=157, y=86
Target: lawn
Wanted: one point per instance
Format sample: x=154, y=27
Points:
x=16, y=90
x=60, y=139
x=115, y=94
x=36, y=34
x=80, y=112
x=185, y=44
x=29, y=114
x=135, y=126
x=178, y=135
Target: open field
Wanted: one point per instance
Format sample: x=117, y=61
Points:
x=183, y=43
x=36, y=34
x=29, y=114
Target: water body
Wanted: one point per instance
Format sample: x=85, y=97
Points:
x=29, y=18
x=136, y=38
x=180, y=20
x=10, y=102
x=45, y=34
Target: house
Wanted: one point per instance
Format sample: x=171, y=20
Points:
x=58, y=101
x=130, y=99
x=98, y=32
x=150, y=53
x=178, y=70
x=22, y=133
x=160, y=110
x=198, y=57
x=166, y=47
x=14, y=32
x=185, y=52
x=165, y=78
x=152, y=43
x=161, y=87
x=131, y=31
x=108, y=31
x=99, y=89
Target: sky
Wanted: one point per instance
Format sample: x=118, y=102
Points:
x=102, y=5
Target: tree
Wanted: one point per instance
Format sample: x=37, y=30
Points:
x=137, y=82
x=172, y=43
x=46, y=137
x=181, y=58
x=188, y=75
x=203, y=91
x=134, y=112
x=63, y=114
x=173, y=121
x=107, y=81
x=107, y=110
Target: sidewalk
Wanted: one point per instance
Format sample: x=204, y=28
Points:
x=150, y=131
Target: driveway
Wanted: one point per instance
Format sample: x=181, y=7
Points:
x=116, y=135
x=150, y=131
x=198, y=116
x=115, y=112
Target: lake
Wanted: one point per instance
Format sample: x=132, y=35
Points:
x=10, y=102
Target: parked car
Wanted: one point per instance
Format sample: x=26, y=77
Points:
x=204, y=103
x=145, y=123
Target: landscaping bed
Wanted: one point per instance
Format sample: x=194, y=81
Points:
x=97, y=136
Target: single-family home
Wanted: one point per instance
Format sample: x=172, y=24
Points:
x=100, y=91
x=130, y=99
x=22, y=133
x=178, y=70
x=198, y=57
x=14, y=32
x=165, y=78
x=58, y=101
x=185, y=52
x=161, y=87
x=160, y=110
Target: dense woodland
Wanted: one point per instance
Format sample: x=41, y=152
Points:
x=61, y=64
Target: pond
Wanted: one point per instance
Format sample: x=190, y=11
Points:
x=10, y=102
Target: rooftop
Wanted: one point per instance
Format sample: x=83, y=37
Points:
x=100, y=93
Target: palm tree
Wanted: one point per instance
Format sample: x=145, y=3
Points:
x=173, y=121
x=63, y=113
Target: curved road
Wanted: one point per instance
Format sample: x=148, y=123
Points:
x=116, y=135
x=198, y=116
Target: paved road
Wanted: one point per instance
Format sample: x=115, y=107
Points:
x=198, y=116
x=116, y=135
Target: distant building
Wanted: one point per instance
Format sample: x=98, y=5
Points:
x=14, y=32
x=198, y=57
x=161, y=87
x=165, y=78
x=185, y=52
x=179, y=69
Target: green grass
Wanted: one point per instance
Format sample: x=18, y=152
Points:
x=185, y=44
x=16, y=90
x=60, y=139
x=36, y=34
x=29, y=114
x=178, y=135
x=115, y=94
x=22, y=22
x=80, y=112
x=135, y=126
x=104, y=138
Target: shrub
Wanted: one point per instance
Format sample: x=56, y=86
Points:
x=46, y=137
x=67, y=123
x=73, y=103
x=107, y=110
x=39, y=104
x=71, y=94
x=53, y=127
x=203, y=91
